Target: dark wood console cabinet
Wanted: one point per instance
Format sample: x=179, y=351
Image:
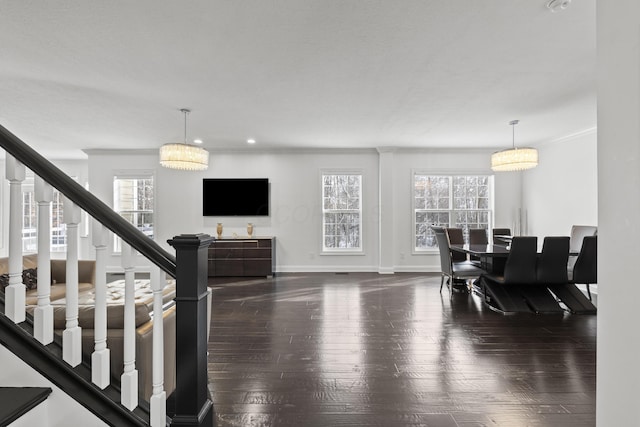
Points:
x=242, y=257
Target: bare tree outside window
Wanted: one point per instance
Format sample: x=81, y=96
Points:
x=450, y=201
x=342, y=212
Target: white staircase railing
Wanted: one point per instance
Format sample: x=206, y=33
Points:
x=43, y=313
x=192, y=404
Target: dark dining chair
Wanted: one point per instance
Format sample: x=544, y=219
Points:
x=477, y=236
x=585, y=269
x=500, y=232
x=503, y=292
x=551, y=270
x=462, y=270
x=520, y=267
x=578, y=233
x=456, y=237
x=552, y=263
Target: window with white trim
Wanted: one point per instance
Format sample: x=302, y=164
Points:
x=30, y=219
x=341, y=212
x=463, y=201
x=133, y=199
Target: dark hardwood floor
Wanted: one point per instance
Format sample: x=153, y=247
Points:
x=364, y=349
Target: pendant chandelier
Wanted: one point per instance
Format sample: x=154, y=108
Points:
x=182, y=155
x=514, y=159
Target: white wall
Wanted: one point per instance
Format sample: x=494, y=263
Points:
x=563, y=189
x=618, y=382
x=295, y=204
x=295, y=217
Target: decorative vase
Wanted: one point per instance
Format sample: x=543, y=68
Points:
x=219, y=230
x=250, y=229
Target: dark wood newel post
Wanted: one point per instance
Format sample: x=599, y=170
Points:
x=192, y=401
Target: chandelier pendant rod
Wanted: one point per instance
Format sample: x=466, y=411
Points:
x=513, y=124
x=185, y=111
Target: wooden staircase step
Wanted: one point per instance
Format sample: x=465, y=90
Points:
x=17, y=401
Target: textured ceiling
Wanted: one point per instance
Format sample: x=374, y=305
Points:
x=295, y=73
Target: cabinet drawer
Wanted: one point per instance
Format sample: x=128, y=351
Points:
x=257, y=267
x=265, y=243
x=242, y=257
x=257, y=253
x=226, y=244
x=225, y=253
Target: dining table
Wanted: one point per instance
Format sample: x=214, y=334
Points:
x=493, y=258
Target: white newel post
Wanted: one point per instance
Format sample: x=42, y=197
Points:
x=100, y=358
x=43, y=313
x=72, y=335
x=129, y=379
x=15, y=292
x=158, y=402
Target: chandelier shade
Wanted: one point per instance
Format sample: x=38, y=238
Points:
x=183, y=156
x=514, y=159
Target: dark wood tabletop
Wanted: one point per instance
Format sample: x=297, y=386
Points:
x=490, y=250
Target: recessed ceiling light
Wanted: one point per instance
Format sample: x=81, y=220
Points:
x=251, y=141
x=197, y=141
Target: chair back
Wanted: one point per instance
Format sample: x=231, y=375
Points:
x=585, y=270
x=579, y=232
x=520, y=267
x=478, y=236
x=445, y=253
x=500, y=232
x=552, y=263
x=456, y=237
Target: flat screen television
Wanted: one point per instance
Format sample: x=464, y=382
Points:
x=235, y=197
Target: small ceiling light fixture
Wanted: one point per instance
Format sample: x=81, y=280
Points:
x=251, y=141
x=556, y=5
x=182, y=155
x=514, y=159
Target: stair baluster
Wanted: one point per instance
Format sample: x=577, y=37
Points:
x=43, y=313
x=101, y=356
x=72, y=335
x=158, y=401
x=129, y=379
x=15, y=292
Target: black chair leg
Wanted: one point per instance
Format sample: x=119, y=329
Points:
x=589, y=292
